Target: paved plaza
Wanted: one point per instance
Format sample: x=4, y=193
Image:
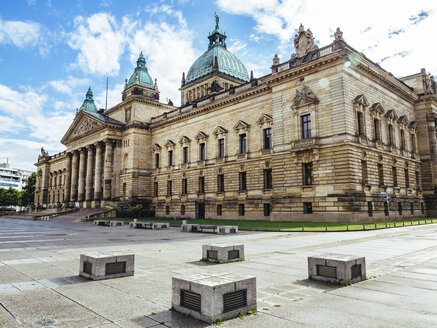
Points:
x=40, y=286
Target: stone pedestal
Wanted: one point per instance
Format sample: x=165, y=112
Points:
x=222, y=253
x=99, y=266
x=214, y=297
x=336, y=268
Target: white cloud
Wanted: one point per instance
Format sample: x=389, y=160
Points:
x=67, y=85
x=391, y=29
x=169, y=52
x=114, y=96
x=101, y=41
x=19, y=33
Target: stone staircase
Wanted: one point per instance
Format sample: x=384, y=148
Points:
x=82, y=213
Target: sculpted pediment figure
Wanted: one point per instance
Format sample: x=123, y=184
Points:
x=303, y=43
x=82, y=126
x=304, y=96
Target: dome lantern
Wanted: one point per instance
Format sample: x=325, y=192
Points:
x=140, y=75
x=88, y=104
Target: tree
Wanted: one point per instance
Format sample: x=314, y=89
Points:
x=27, y=195
x=9, y=197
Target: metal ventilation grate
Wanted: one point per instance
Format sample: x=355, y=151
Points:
x=87, y=267
x=190, y=300
x=235, y=300
x=327, y=271
x=235, y=254
x=355, y=271
x=115, y=268
x=233, y=230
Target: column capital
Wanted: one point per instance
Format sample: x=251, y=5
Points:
x=98, y=144
x=89, y=147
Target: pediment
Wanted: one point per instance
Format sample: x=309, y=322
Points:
x=184, y=140
x=241, y=125
x=377, y=107
x=403, y=120
x=413, y=125
x=219, y=130
x=156, y=147
x=304, y=96
x=201, y=135
x=265, y=118
x=169, y=144
x=391, y=114
x=361, y=100
x=82, y=125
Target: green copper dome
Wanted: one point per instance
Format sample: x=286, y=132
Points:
x=227, y=62
x=88, y=104
x=143, y=76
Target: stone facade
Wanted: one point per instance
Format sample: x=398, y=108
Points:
x=320, y=138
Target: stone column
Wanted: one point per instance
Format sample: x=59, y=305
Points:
x=107, y=170
x=98, y=173
x=74, y=176
x=67, y=184
x=81, y=185
x=89, y=173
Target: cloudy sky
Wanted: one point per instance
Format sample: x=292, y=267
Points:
x=52, y=50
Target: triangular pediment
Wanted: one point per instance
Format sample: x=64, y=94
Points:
x=404, y=120
x=391, y=114
x=156, y=147
x=219, y=130
x=377, y=107
x=201, y=135
x=241, y=125
x=361, y=100
x=83, y=124
x=184, y=139
x=413, y=125
x=265, y=118
x=169, y=144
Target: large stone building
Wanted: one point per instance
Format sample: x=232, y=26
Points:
x=324, y=137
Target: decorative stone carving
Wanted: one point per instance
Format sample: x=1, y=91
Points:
x=156, y=147
x=276, y=60
x=219, y=131
x=184, y=140
x=304, y=96
x=170, y=144
x=265, y=118
x=201, y=136
x=241, y=125
x=338, y=35
x=215, y=87
x=86, y=126
x=429, y=84
x=303, y=43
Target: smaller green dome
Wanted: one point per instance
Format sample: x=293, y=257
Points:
x=143, y=76
x=88, y=104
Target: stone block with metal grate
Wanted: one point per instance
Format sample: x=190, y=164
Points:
x=219, y=229
x=102, y=222
x=99, y=266
x=212, y=297
x=336, y=268
x=117, y=223
x=222, y=253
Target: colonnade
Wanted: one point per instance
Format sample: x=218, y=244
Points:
x=87, y=168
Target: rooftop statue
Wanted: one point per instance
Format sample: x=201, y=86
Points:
x=303, y=43
x=430, y=87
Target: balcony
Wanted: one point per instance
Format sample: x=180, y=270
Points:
x=304, y=144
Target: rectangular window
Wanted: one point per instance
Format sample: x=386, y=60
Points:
x=407, y=178
x=417, y=180
x=306, y=126
x=307, y=174
x=221, y=145
x=268, y=179
x=184, y=186
x=268, y=138
x=202, y=150
x=201, y=185
x=155, y=189
x=381, y=175
x=360, y=123
x=219, y=210
x=413, y=143
x=307, y=208
x=243, y=143
x=241, y=209
x=402, y=139
x=167, y=210
x=185, y=154
x=220, y=183
x=400, y=208
x=376, y=130
x=170, y=157
x=157, y=161
x=243, y=182
x=182, y=209
x=370, y=208
x=386, y=211
x=364, y=176
x=169, y=188
x=391, y=141
x=267, y=210
x=394, y=176
x=411, y=208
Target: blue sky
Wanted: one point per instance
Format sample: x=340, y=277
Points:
x=52, y=50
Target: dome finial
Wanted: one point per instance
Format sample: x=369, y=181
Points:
x=88, y=104
x=141, y=62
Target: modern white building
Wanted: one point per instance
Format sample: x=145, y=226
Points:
x=14, y=178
